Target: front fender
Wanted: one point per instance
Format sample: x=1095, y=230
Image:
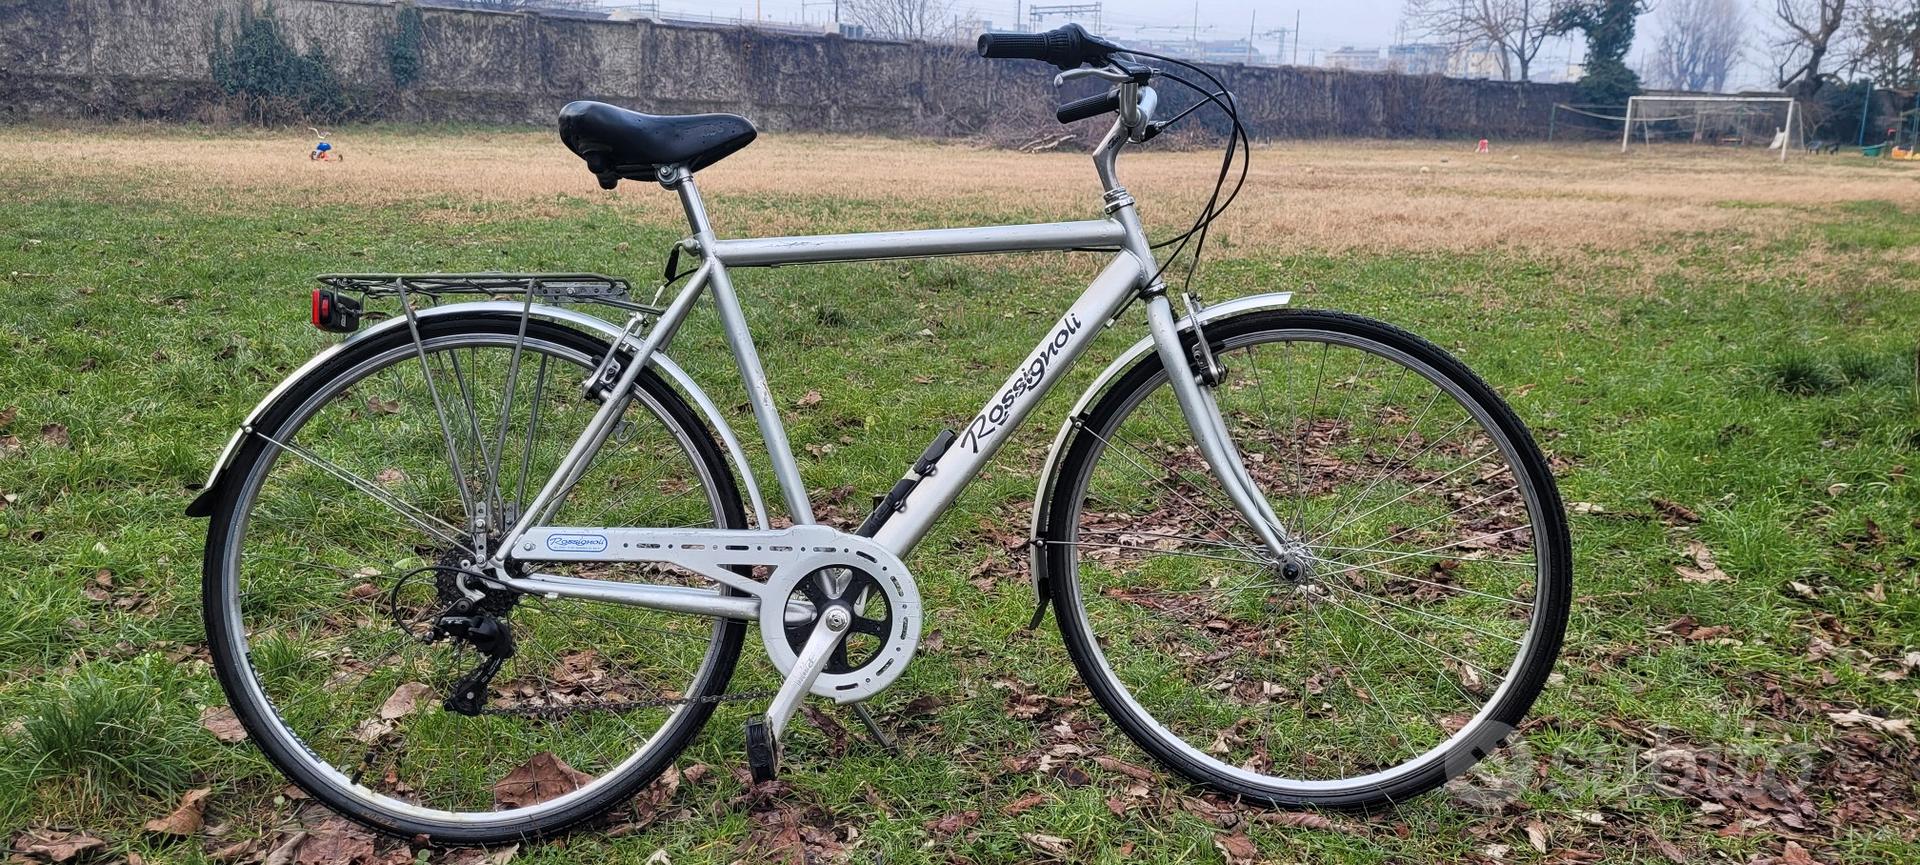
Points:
x=1036, y=552
x=202, y=504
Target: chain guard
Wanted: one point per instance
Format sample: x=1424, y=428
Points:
x=874, y=569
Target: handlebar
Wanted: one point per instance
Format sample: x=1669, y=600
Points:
x=1066, y=46
x=1091, y=106
x=1070, y=47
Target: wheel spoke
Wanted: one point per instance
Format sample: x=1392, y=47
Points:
x=325, y=646
x=1212, y=643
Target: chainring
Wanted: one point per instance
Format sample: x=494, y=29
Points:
x=852, y=587
x=886, y=606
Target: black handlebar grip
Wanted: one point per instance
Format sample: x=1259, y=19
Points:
x=1022, y=46
x=1066, y=46
x=1092, y=106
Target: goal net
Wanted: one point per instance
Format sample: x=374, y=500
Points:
x=1772, y=122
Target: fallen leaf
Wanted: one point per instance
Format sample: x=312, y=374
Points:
x=283, y=854
x=922, y=705
x=1051, y=844
x=1587, y=508
x=1902, y=727
x=335, y=841
x=1675, y=512
x=1537, y=835
x=1300, y=820
x=1794, y=854
x=238, y=851
x=1072, y=776
x=1024, y=803
x=404, y=701
x=1236, y=848
x=1705, y=570
x=810, y=398
x=1668, y=849
x=187, y=818
x=542, y=777
x=481, y=855
x=952, y=823
x=383, y=406
x=7, y=415
x=372, y=730
x=1112, y=764
x=55, y=435
x=835, y=731
x=57, y=846
x=389, y=476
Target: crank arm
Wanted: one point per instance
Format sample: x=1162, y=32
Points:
x=807, y=666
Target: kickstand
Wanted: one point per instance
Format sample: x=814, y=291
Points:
x=880, y=736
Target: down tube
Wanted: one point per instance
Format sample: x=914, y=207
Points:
x=1023, y=390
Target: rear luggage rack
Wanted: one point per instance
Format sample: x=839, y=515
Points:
x=545, y=287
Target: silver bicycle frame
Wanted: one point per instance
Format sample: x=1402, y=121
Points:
x=1133, y=273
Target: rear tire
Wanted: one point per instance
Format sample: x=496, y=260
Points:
x=233, y=637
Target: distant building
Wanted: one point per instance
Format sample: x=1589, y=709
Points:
x=1207, y=50
x=1418, y=58
x=1479, y=61
x=1357, y=59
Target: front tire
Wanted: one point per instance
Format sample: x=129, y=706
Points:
x=1406, y=637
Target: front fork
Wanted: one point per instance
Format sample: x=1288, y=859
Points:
x=1209, y=428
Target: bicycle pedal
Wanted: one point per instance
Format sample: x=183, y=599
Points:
x=763, y=753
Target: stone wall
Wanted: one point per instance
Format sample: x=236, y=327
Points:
x=150, y=59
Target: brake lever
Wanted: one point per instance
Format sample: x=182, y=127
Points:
x=1105, y=72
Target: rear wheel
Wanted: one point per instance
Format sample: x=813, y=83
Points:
x=337, y=544
x=1409, y=627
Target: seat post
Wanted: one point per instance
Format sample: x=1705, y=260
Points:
x=680, y=180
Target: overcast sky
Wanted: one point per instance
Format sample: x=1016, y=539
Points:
x=1325, y=25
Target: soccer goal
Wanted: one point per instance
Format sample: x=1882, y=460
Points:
x=1726, y=121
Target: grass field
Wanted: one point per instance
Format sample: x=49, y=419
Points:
x=1720, y=349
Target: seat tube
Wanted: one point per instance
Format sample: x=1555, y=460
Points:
x=746, y=357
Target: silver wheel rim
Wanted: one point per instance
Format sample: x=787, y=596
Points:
x=280, y=729
x=1476, y=730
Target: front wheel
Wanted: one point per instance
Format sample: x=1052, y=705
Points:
x=1413, y=619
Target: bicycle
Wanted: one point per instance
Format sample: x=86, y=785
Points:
x=1300, y=557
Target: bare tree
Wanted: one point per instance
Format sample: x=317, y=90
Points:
x=1699, y=43
x=1886, y=42
x=902, y=19
x=1807, y=31
x=1515, y=29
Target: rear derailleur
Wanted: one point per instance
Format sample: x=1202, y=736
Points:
x=481, y=623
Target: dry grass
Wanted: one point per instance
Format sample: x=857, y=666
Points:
x=1333, y=197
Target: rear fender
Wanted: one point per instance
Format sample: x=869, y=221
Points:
x=202, y=504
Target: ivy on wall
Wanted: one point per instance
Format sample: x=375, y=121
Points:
x=403, y=46
x=253, y=62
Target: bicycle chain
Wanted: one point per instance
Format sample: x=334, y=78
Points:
x=557, y=712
